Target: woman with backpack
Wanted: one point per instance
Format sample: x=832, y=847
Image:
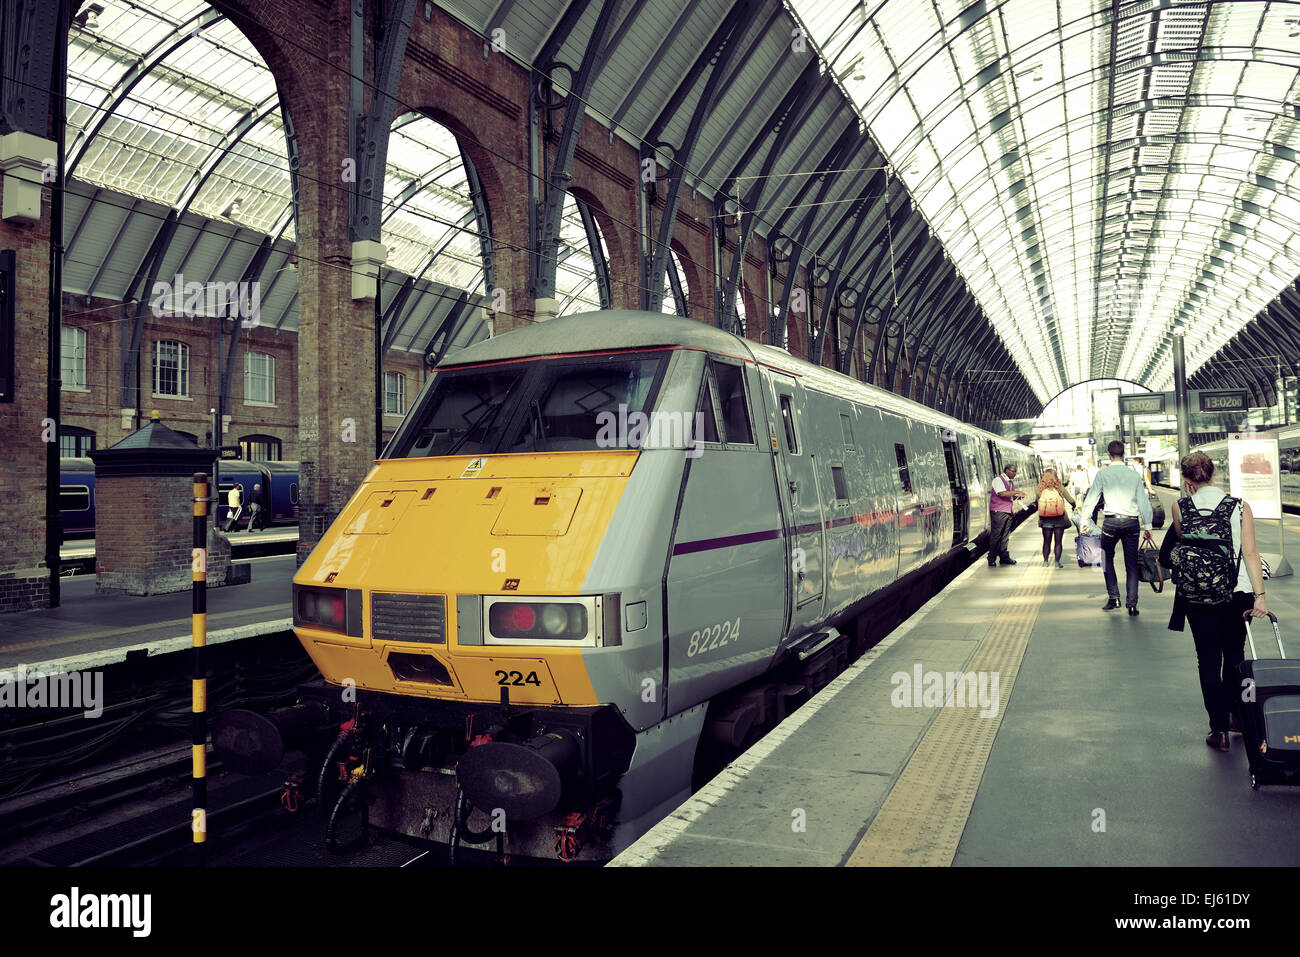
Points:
x=1217, y=570
x=1052, y=518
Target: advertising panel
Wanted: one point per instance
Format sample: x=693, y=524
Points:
x=1253, y=475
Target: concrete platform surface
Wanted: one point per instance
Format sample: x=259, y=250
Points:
x=1096, y=754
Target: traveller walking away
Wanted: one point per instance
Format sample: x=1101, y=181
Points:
x=234, y=505
x=1079, y=481
x=1126, y=507
x=1217, y=570
x=1052, y=514
x=1001, y=510
x=254, y=508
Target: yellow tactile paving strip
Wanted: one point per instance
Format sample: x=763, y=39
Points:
x=922, y=820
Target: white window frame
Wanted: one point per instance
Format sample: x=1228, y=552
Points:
x=182, y=369
x=76, y=381
x=400, y=391
x=267, y=373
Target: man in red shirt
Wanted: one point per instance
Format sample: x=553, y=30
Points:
x=1004, y=493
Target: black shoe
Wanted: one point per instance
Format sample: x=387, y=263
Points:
x=1008, y=561
x=1110, y=605
x=1132, y=611
x=1218, y=740
x=993, y=564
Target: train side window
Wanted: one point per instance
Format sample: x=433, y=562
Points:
x=731, y=399
x=847, y=425
x=787, y=417
x=704, y=413
x=293, y=493
x=904, y=474
x=74, y=498
x=841, y=486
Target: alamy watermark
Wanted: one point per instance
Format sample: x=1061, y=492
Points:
x=39, y=689
x=658, y=430
x=952, y=689
x=234, y=300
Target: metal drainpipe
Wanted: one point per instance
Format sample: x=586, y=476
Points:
x=54, y=378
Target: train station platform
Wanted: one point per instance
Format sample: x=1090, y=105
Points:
x=1079, y=741
x=93, y=631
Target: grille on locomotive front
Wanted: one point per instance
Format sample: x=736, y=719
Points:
x=408, y=617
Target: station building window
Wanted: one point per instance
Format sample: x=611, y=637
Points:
x=73, y=371
x=394, y=393
x=262, y=448
x=259, y=378
x=75, y=443
x=171, y=369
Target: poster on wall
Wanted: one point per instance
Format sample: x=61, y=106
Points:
x=1253, y=475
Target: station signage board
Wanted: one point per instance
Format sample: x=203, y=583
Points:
x=1253, y=475
x=1145, y=403
x=1221, y=400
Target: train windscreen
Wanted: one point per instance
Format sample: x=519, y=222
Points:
x=545, y=405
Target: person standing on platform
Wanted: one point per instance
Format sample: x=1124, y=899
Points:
x=1218, y=629
x=1079, y=481
x=1052, y=515
x=1126, y=506
x=1001, y=510
x=1091, y=472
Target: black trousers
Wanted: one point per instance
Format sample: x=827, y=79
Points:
x=1049, y=534
x=1220, y=636
x=1113, y=531
x=999, y=533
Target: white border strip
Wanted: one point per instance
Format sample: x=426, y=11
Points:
x=114, y=656
x=653, y=842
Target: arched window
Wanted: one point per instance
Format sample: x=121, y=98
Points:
x=261, y=448
x=259, y=378
x=75, y=442
x=394, y=393
x=171, y=369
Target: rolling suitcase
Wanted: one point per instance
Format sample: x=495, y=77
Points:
x=1157, y=510
x=1270, y=714
x=1087, y=549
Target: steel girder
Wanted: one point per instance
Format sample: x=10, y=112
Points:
x=545, y=240
x=446, y=328
x=133, y=329
x=599, y=263
x=918, y=296
x=393, y=309
x=370, y=127
x=783, y=122
x=942, y=300
x=251, y=272
x=909, y=258
x=945, y=361
x=720, y=51
x=830, y=302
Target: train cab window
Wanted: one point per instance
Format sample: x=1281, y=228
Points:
x=787, y=418
x=731, y=399
x=846, y=425
x=74, y=498
x=904, y=473
x=841, y=485
x=462, y=413
x=705, y=420
x=578, y=406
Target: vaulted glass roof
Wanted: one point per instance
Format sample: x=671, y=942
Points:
x=1102, y=172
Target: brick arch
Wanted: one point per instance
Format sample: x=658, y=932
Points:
x=624, y=290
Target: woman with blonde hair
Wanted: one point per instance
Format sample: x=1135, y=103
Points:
x=1052, y=517
x=1200, y=518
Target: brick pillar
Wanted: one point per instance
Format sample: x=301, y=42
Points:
x=24, y=582
x=144, y=515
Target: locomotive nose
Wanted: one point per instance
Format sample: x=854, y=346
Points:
x=525, y=780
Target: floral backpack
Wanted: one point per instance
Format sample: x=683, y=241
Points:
x=1204, y=567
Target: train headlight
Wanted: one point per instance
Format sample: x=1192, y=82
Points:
x=542, y=621
x=338, y=609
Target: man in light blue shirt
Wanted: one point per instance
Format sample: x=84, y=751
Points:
x=1126, y=505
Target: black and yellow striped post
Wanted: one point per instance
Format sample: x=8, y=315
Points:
x=199, y=566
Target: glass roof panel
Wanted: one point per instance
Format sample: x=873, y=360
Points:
x=1063, y=184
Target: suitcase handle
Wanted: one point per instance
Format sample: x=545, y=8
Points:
x=1277, y=635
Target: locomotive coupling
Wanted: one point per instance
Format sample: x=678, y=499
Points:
x=526, y=780
x=252, y=743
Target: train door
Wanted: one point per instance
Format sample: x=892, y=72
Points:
x=801, y=499
x=957, y=485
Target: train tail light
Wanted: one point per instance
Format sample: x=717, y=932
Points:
x=338, y=609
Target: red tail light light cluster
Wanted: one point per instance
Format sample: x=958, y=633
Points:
x=326, y=608
x=532, y=620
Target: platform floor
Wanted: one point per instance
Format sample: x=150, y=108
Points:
x=1095, y=756
x=91, y=631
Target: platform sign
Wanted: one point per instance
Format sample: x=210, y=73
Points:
x=1145, y=403
x=1253, y=475
x=1221, y=400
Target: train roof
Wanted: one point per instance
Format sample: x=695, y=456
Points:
x=632, y=329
